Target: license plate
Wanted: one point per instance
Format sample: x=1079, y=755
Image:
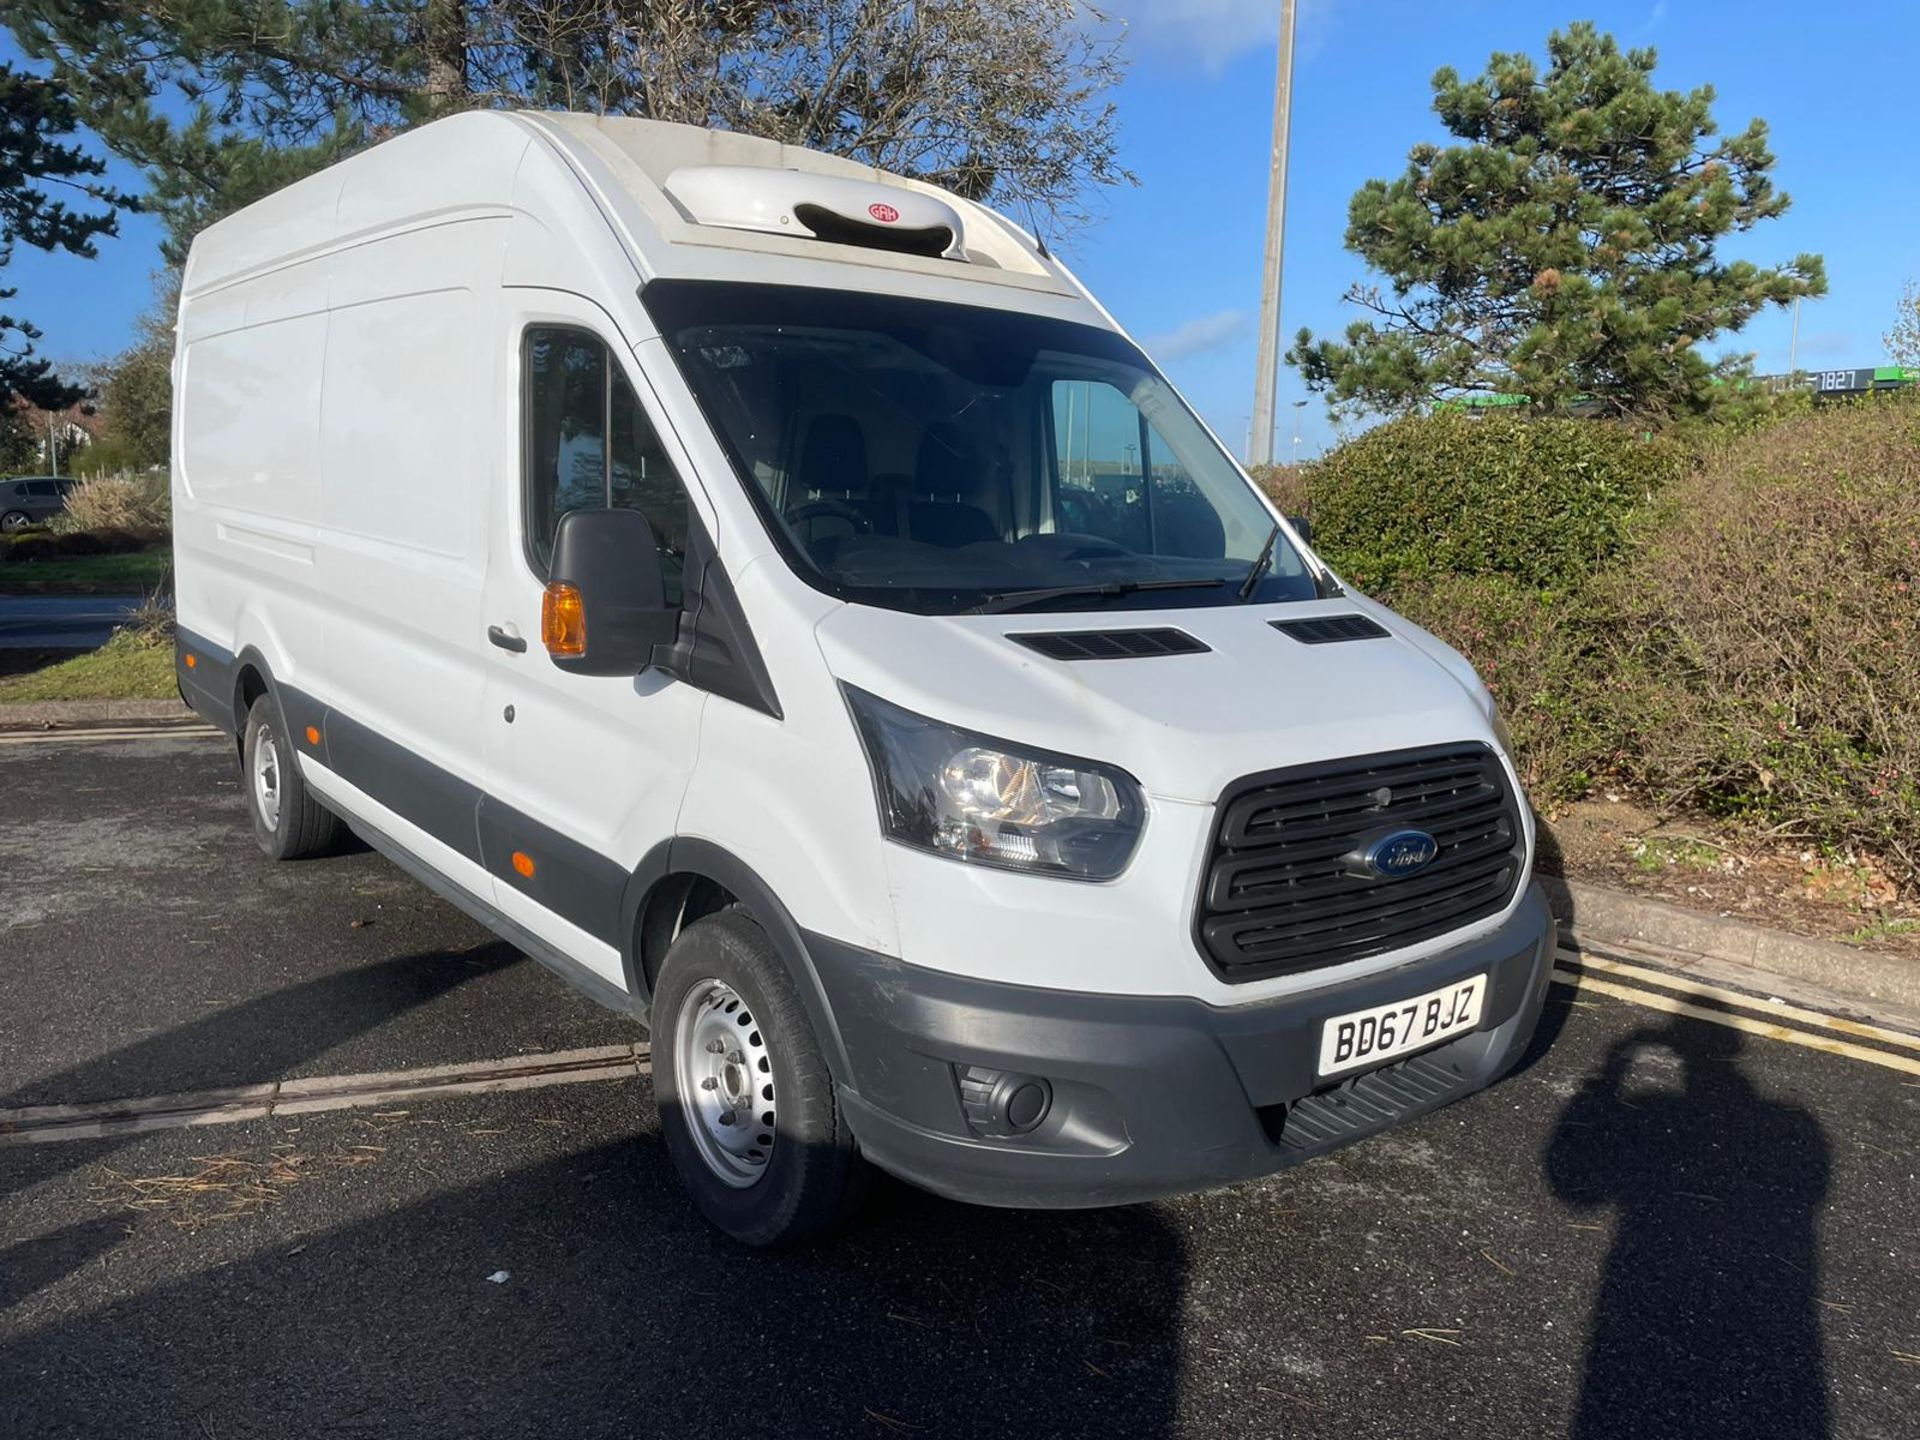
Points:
x=1373, y=1037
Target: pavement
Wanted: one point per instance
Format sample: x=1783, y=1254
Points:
x=62, y=622
x=1690, y=1212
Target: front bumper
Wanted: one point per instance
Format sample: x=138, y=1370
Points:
x=1152, y=1095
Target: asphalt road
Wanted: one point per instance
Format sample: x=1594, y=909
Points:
x=61, y=622
x=1660, y=1226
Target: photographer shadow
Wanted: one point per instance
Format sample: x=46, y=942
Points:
x=1706, y=1322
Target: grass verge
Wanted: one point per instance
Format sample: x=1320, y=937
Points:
x=87, y=574
x=127, y=667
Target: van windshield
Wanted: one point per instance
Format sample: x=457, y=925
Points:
x=944, y=458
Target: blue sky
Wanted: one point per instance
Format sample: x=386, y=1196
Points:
x=1178, y=258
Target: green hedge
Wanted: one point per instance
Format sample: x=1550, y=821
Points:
x=1544, y=502
x=1748, y=646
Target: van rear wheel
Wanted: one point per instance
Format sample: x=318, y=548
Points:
x=289, y=822
x=746, y=1101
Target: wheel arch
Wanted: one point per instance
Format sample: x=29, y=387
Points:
x=683, y=879
x=251, y=680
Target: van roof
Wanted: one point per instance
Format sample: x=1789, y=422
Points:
x=685, y=201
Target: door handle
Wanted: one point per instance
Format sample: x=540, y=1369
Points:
x=507, y=638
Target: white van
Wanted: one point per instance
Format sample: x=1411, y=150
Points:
x=775, y=595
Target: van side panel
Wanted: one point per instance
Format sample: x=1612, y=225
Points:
x=246, y=480
x=405, y=486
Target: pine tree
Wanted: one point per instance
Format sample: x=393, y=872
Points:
x=35, y=154
x=1564, y=248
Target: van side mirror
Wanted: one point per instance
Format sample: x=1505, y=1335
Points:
x=1302, y=527
x=606, y=603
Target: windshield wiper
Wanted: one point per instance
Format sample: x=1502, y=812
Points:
x=1112, y=590
x=1260, y=564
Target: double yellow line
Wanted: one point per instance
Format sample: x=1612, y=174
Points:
x=1790, y=1024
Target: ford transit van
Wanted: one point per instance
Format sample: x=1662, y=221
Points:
x=775, y=595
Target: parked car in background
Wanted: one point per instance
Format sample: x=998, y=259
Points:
x=32, y=500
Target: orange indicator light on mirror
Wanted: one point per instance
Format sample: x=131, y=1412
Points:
x=563, y=620
x=523, y=863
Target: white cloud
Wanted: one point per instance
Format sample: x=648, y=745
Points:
x=1209, y=31
x=1199, y=335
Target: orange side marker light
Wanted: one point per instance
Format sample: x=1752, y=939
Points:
x=523, y=863
x=563, y=620
x=313, y=735
x=192, y=661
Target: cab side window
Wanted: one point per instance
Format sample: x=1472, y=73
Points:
x=589, y=444
x=1116, y=478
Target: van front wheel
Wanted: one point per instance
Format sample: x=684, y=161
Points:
x=289, y=822
x=746, y=1100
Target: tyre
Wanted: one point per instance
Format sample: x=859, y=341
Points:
x=747, y=1104
x=15, y=520
x=289, y=821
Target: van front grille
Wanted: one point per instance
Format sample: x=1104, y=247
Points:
x=1286, y=888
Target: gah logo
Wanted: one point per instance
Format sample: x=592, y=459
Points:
x=1404, y=852
x=885, y=214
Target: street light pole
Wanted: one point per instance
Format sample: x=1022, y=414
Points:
x=1266, y=376
x=1298, y=406
x=1793, y=345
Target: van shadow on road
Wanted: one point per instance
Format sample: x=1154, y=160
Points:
x=1706, y=1322
x=626, y=1314
x=259, y=1040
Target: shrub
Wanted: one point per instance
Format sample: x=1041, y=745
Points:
x=35, y=546
x=1544, y=502
x=78, y=542
x=1768, y=641
x=151, y=625
x=1536, y=651
x=136, y=503
x=1286, y=486
x=43, y=545
x=1750, y=648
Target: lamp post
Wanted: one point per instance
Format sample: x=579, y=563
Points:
x=1298, y=406
x=1266, y=377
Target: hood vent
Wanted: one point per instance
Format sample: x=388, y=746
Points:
x=1111, y=644
x=1331, y=629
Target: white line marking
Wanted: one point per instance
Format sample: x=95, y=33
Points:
x=35, y=1123
x=75, y=737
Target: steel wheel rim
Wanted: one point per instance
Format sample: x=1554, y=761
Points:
x=266, y=778
x=726, y=1083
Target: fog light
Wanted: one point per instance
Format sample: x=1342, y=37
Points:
x=1000, y=1102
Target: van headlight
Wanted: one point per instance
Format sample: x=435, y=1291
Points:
x=972, y=798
